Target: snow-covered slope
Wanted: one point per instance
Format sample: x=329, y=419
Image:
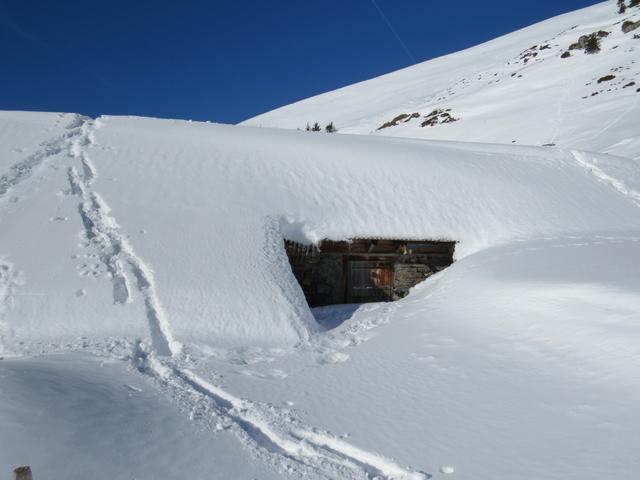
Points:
x=155, y=247
x=519, y=362
x=514, y=89
x=134, y=228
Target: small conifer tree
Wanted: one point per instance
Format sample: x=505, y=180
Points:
x=307, y=128
x=634, y=3
x=316, y=127
x=330, y=128
x=592, y=45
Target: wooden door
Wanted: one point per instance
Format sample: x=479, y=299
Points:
x=369, y=281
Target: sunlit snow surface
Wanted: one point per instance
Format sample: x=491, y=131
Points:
x=150, y=325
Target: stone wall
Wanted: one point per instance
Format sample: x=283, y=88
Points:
x=408, y=275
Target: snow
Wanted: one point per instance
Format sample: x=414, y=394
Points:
x=151, y=327
x=157, y=245
x=217, y=200
x=500, y=98
x=78, y=416
x=519, y=360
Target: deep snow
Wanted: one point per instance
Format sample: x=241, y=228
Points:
x=517, y=362
x=157, y=246
x=202, y=208
x=150, y=325
x=77, y=416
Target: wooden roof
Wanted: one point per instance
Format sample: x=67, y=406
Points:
x=378, y=245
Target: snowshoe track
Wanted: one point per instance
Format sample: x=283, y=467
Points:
x=21, y=171
x=117, y=254
x=271, y=433
x=9, y=280
x=583, y=160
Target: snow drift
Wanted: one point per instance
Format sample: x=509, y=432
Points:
x=124, y=228
x=156, y=247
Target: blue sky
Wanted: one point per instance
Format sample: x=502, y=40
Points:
x=226, y=61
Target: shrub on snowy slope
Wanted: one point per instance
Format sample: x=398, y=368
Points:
x=622, y=7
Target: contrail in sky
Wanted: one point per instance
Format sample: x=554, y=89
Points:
x=8, y=23
x=393, y=30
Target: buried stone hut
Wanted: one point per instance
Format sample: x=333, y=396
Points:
x=365, y=270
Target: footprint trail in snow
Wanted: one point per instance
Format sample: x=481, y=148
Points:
x=103, y=232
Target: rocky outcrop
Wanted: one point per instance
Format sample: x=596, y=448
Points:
x=438, y=117
x=403, y=117
x=630, y=26
x=606, y=78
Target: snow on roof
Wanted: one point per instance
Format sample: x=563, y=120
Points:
x=190, y=218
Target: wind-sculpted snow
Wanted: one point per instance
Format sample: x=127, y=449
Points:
x=207, y=206
x=161, y=243
x=107, y=423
